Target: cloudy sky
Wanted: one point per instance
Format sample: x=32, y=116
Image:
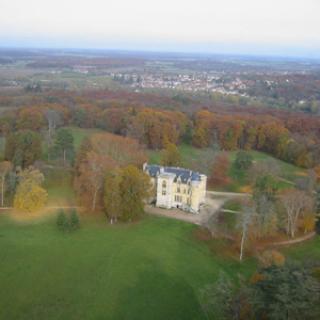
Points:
x=262, y=26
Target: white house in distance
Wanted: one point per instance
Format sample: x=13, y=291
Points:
x=177, y=187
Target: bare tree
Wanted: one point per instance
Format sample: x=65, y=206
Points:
x=295, y=202
x=54, y=119
x=246, y=219
x=5, y=167
x=267, y=167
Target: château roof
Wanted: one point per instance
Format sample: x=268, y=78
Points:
x=185, y=175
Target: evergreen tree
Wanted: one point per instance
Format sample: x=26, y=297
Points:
x=64, y=144
x=62, y=221
x=74, y=220
x=243, y=160
x=318, y=201
x=217, y=300
x=317, y=226
x=289, y=292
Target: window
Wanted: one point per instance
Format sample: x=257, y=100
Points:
x=164, y=184
x=164, y=192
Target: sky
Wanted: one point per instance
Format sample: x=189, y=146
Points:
x=284, y=27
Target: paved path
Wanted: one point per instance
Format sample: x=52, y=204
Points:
x=228, y=194
x=294, y=241
x=4, y=209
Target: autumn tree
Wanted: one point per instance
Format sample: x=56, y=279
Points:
x=30, y=118
x=91, y=178
x=134, y=189
x=23, y=148
x=97, y=156
x=5, y=168
x=170, y=156
x=30, y=196
x=295, y=203
x=220, y=170
x=112, y=196
x=7, y=123
x=84, y=149
x=200, y=138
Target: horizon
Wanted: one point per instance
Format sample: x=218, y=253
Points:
x=270, y=28
x=295, y=54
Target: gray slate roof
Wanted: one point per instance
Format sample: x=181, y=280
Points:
x=184, y=174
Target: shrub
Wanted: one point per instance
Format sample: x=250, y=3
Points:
x=317, y=226
x=69, y=222
x=272, y=258
x=74, y=220
x=243, y=160
x=62, y=221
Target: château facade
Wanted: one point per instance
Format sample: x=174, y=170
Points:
x=177, y=187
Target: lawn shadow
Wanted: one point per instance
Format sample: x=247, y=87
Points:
x=157, y=295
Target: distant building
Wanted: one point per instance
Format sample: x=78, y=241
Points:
x=177, y=187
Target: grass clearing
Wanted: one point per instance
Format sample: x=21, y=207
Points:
x=58, y=183
x=148, y=270
x=201, y=160
x=306, y=251
x=79, y=134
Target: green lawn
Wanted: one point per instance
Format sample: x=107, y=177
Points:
x=58, y=183
x=202, y=159
x=307, y=251
x=2, y=146
x=148, y=270
x=79, y=134
x=194, y=158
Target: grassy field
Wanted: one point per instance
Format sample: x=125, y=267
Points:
x=307, y=251
x=79, y=134
x=58, y=183
x=202, y=159
x=149, y=270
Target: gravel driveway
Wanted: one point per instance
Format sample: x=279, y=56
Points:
x=211, y=206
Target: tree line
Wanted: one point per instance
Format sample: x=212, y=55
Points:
x=293, y=137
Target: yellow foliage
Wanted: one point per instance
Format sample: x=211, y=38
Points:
x=317, y=171
x=246, y=189
x=30, y=199
x=272, y=257
x=309, y=221
x=257, y=277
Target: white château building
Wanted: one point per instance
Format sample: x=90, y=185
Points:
x=177, y=187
